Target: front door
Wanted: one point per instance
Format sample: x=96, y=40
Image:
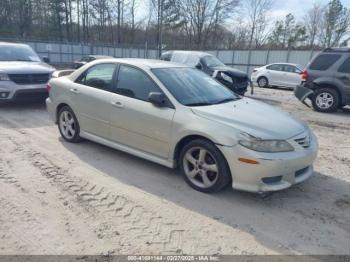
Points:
x=135, y=122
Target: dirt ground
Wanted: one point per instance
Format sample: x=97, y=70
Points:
x=60, y=198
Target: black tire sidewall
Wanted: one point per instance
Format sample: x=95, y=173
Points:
x=76, y=138
x=224, y=172
x=267, y=82
x=330, y=91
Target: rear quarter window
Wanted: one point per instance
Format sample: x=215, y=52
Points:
x=345, y=67
x=323, y=62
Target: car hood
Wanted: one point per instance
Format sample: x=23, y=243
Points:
x=20, y=67
x=230, y=71
x=255, y=118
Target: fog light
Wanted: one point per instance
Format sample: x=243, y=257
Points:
x=272, y=179
x=4, y=94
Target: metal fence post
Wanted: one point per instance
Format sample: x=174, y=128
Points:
x=249, y=59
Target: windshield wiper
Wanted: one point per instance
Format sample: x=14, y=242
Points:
x=226, y=100
x=199, y=104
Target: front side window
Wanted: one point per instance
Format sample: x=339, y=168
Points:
x=323, y=62
x=192, y=87
x=275, y=67
x=212, y=61
x=345, y=67
x=291, y=69
x=134, y=83
x=99, y=76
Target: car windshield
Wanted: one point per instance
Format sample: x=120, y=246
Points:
x=18, y=53
x=192, y=87
x=212, y=61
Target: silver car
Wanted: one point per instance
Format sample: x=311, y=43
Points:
x=23, y=76
x=180, y=117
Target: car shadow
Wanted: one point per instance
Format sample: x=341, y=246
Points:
x=288, y=221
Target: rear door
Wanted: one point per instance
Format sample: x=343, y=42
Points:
x=135, y=122
x=92, y=92
x=343, y=75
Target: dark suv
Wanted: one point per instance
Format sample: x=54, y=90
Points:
x=232, y=78
x=326, y=80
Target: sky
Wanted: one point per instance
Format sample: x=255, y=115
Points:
x=279, y=10
x=298, y=7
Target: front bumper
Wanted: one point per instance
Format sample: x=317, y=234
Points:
x=289, y=167
x=10, y=91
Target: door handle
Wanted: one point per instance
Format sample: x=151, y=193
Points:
x=117, y=104
x=74, y=90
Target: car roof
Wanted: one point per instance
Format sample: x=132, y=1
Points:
x=142, y=63
x=12, y=44
x=293, y=64
x=145, y=64
x=193, y=53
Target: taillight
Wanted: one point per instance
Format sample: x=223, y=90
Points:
x=48, y=87
x=304, y=75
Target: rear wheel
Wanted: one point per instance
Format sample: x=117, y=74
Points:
x=68, y=125
x=325, y=100
x=263, y=82
x=204, y=167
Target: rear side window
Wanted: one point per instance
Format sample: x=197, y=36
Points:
x=99, y=76
x=345, y=67
x=134, y=83
x=323, y=62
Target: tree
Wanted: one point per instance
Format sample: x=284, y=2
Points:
x=257, y=15
x=312, y=23
x=336, y=23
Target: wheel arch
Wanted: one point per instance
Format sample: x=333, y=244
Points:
x=185, y=140
x=330, y=85
x=58, y=108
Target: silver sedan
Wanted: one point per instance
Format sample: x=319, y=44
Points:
x=179, y=117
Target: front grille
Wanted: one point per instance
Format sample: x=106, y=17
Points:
x=29, y=79
x=240, y=80
x=304, y=141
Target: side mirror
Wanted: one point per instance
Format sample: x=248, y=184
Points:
x=157, y=99
x=199, y=66
x=46, y=59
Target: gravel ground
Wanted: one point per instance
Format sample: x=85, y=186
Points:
x=60, y=198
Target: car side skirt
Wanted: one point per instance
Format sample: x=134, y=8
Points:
x=127, y=149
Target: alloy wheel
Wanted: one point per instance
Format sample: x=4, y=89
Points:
x=67, y=124
x=200, y=167
x=324, y=100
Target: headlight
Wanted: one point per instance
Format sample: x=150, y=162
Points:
x=268, y=146
x=226, y=77
x=4, y=77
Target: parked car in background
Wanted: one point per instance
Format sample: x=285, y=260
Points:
x=23, y=76
x=87, y=59
x=234, y=79
x=279, y=75
x=326, y=80
x=176, y=115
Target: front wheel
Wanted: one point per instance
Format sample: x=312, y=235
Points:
x=204, y=167
x=68, y=125
x=325, y=100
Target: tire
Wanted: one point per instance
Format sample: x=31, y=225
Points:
x=68, y=125
x=263, y=82
x=198, y=161
x=325, y=100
